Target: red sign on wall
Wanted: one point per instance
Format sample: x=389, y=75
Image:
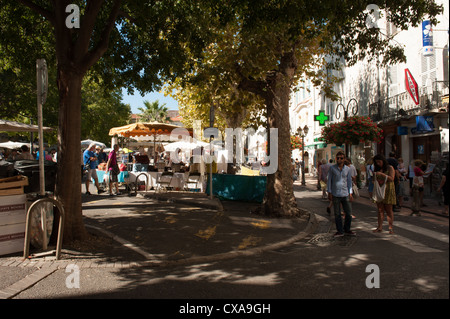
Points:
x=411, y=86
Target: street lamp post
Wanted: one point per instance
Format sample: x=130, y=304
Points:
x=353, y=111
x=302, y=133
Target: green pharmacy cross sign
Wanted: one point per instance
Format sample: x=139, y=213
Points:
x=322, y=118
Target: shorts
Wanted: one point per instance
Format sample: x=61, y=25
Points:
x=92, y=173
x=113, y=178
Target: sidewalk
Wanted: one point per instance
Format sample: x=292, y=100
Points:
x=157, y=230
x=432, y=205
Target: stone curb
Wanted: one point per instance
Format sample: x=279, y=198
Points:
x=27, y=282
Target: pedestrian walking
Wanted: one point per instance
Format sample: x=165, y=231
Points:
x=353, y=171
x=90, y=162
x=319, y=163
x=385, y=173
x=323, y=177
x=394, y=163
x=113, y=168
x=418, y=187
x=339, y=188
x=297, y=166
x=444, y=186
x=369, y=174
x=411, y=175
x=401, y=183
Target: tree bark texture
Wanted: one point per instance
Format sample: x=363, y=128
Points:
x=279, y=199
x=68, y=182
x=75, y=56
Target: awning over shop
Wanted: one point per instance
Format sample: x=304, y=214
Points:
x=316, y=145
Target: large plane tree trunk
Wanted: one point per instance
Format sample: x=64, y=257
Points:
x=77, y=50
x=68, y=183
x=279, y=199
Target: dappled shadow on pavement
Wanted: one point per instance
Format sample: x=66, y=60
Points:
x=175, y=231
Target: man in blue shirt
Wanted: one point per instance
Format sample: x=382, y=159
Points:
x=339, y=188
x=90, y=158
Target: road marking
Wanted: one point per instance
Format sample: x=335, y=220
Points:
x=397, y=239
x=426, y=232
x=127, y=244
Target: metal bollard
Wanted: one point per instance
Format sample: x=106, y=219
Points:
x=136, y=183
x=55, y=202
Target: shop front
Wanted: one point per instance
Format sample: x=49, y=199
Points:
x=419, y=137
x=314, y=154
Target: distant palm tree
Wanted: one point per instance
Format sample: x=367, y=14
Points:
x=153, y=111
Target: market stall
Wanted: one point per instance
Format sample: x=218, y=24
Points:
x=15, y=202
x=150, y=169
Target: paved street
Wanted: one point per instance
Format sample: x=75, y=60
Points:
x=412, y=263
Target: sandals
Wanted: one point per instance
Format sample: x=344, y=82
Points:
x=378, y=230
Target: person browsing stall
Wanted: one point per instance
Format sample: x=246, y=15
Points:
x=113, y=168
x=90, y=160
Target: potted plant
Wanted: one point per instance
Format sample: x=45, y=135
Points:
x=354, y=130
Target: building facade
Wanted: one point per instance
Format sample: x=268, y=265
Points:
x=415, y=126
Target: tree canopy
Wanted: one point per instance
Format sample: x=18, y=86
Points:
x=132, y=44
x=233, y=48
x=266, y=46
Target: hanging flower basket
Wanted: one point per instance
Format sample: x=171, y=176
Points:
x=296, y=142
x=353, y=130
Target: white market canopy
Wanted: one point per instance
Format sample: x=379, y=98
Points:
x=11, y=126
x=13, y=145
x=86, y=143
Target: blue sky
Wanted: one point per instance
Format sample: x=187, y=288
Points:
x=137, y=100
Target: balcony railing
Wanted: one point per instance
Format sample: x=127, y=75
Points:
x=430, y=98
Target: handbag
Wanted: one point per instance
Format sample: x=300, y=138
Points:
x=323, y=185
x=355, y=190
x=379, y=191
x=418, y=181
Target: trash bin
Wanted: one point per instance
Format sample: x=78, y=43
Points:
x=6, y=169
x=30, y=169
